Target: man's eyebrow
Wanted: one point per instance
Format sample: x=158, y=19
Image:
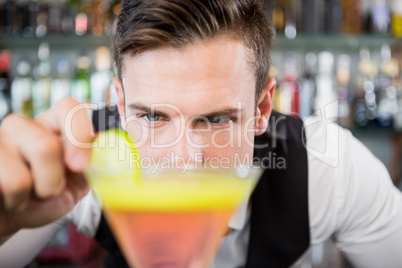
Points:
x=141, y=107
x=224, y=112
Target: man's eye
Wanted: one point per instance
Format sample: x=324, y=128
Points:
x=219, y=119
x=152, y=117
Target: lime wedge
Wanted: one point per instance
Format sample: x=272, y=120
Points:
x=113, y=151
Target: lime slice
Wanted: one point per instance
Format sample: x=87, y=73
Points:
x=113, y=151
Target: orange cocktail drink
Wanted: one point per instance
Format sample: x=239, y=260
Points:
x=171, y=218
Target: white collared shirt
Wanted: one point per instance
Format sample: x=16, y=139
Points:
x=351, y=200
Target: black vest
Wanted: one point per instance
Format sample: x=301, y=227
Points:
x=279, y=223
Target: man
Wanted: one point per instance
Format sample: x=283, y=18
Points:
x=192, y=82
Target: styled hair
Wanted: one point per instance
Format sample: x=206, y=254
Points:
x=143, y=25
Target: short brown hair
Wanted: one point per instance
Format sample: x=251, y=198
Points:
x=150, y=24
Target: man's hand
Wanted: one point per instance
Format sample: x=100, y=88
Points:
x=41, y=164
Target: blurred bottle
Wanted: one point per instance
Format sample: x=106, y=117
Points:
x=352, y=18
x=332, y=16
x=81, y=89
x=75, y=18
x=81, y=24
x=310, y=19
x=307, y=85
x=43, y=81
x=21, y=89
x=284, y=17
x=387, y=86
x=291, y=8
x=9, y=17
x=397, y=117
x=110, y=25
x=84, y=19
x=325, y=93
x=365, y=109
x=100, y=16
x=101, y=78
x=380, y=17
x=5, y=84
x=396, y=7
x=70, y=10
x=290, y=98
x=278, y=16
x=1, y=16
x=345, y=96
x=61, y=85
x=109, y=17
x=21, y=17
x=28, y=13
x=55, y=16
x=42, y=19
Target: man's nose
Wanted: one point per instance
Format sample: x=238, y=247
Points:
x=189, y=148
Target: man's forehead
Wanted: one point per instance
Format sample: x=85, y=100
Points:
x=225, y=48
x=202, y=76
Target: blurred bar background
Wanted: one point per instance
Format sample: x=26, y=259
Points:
x=342, y=54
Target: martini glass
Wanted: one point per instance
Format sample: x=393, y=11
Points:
x=171, y=218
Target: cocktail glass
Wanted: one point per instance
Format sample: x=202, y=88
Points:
x=171, y=217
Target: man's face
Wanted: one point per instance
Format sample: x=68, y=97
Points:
x=193, y=104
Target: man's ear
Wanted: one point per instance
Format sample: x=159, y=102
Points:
x=264, y=107
x=120, y=101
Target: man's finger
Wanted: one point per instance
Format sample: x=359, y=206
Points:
x=15, y=181
x=39, y=212
x=41, y=149
x=69, y=118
